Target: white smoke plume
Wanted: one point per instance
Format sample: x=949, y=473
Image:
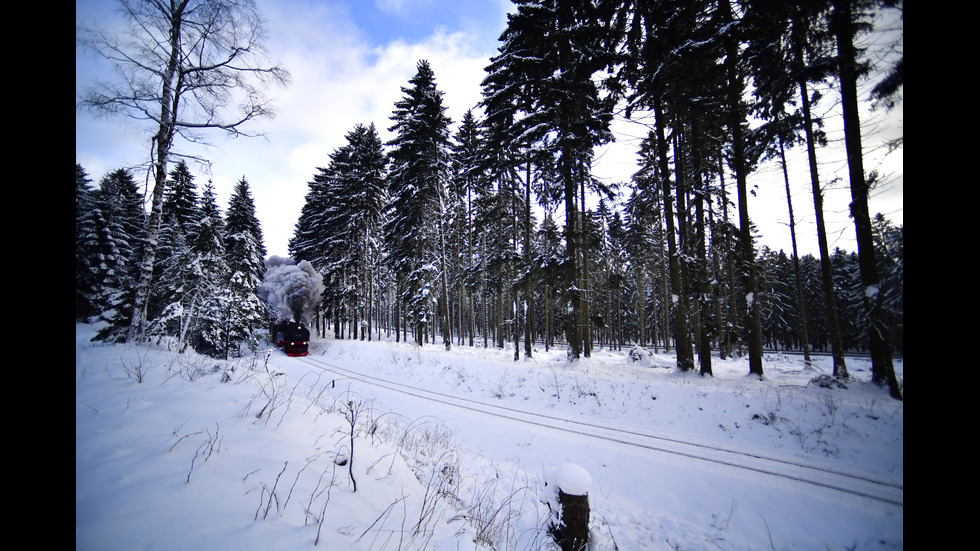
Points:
x=292, y=289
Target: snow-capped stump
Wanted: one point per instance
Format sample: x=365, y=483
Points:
x=572, y=484
x=573, y=480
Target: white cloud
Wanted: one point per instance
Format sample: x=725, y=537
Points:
x=339, y=81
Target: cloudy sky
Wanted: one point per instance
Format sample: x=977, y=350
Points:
x=349, y=59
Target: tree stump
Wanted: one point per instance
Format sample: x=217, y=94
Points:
x=572, y=532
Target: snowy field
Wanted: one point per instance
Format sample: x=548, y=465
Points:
x=385, y=446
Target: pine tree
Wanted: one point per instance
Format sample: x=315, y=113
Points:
x=209, y=286
x=168, y=309
x=889, y=246
x=499, y=204
x=244, y=243
x=245, y=256
x=850, y=295
x=419, y=173
x=611, y=275
x=353, y=197
x=468, y=183
x=678, y=309
x=665, y=44
x=113, y=238
x=780, y=311
x=550, y=53
x=644, y=246
x=307, y=240
x=369, y=182
x=181, y=207
x=549, y=260
x=179, y=217
x=336, y=247
x=85, y=279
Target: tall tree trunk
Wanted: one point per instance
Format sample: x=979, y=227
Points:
x=683, y=235
x=731, y=322
x=501, y=301
x=701, y=275
x=586, y=283
x=528, y=261
x=685, y=354
x=641, y=315
x=883, y=372
x=446, y=318
x=163, y=140
x=398, y=310
x=516, y=324
x=665, y=298
x=469, y=256
x=719, y=288
x=547, y=317
x=486, y=305
x=750, y=269
x=573, y=318
x=801, y=305
x=369, y=300
x=826, y=269
x=516, y=301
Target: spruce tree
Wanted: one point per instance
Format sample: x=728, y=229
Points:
x=735, y=117
x=307, y=240
x=546, y=71
x=889, y=245
x=548, y=261
x=332, y=246
x=642, y=246
x=209, y=285
x=367, y=185
x=352, y=197
x=467, y=184
x=181, y=207
x=168, y=309
x=244, y=243
x=420, y=167
x=850, y=295
x=85, y=279
x=670, y=66
x=113, y=240
x=179, y=216
x=245, y=256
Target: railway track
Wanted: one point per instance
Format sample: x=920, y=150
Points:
x=857, y=484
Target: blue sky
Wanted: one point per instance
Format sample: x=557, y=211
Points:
x=349, y=60
x=415, y=20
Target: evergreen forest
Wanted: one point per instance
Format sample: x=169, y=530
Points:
x=491, y=231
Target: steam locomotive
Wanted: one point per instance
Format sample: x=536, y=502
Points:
x=292, y=337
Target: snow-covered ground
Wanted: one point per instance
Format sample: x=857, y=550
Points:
x=384, y=446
